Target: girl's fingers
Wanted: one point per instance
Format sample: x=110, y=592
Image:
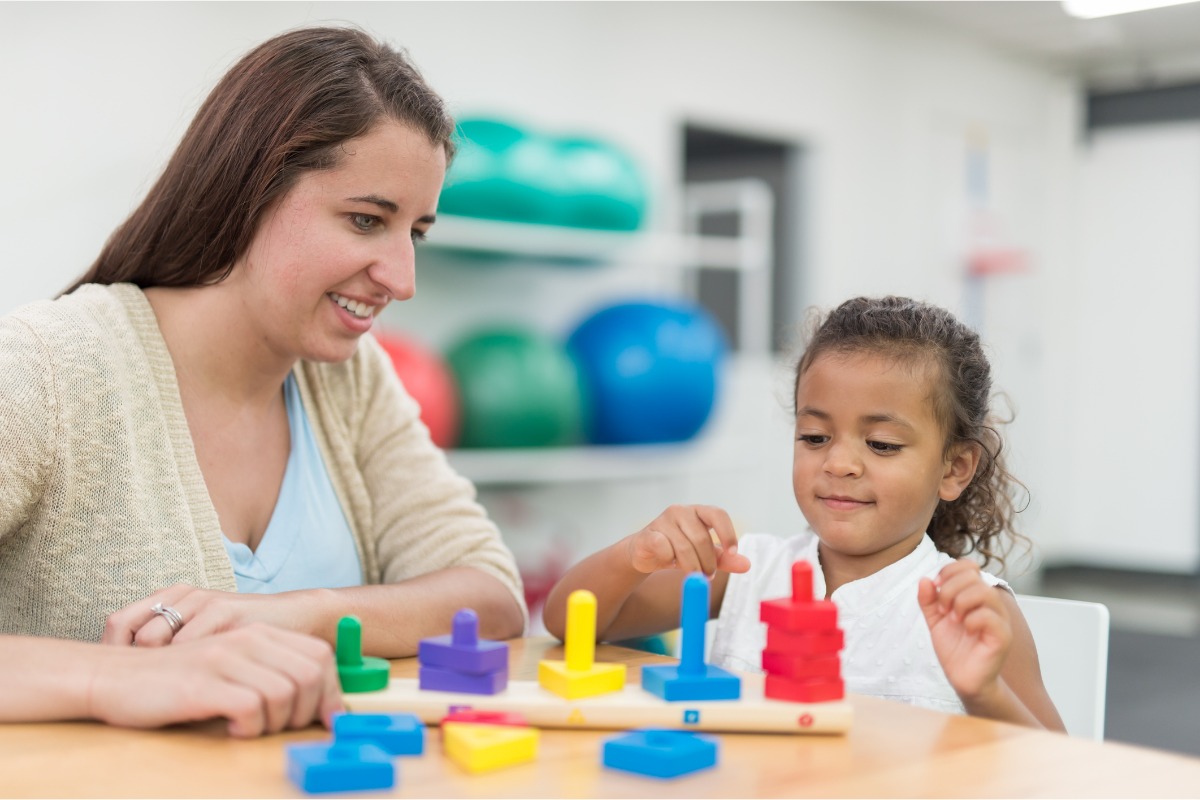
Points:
x=927, y=599
x=699, y=541
x=718, y=521
x=652, y=551
x=731, y=560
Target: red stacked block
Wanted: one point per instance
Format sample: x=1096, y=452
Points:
x=803, y=639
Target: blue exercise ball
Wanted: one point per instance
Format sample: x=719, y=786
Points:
x=650, y=369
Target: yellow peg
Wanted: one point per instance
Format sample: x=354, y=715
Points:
x=579, y=675
x=581, y=630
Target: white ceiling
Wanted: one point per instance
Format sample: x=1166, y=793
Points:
x=1156, y=47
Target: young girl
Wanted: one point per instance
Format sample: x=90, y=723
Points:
x=898, y=473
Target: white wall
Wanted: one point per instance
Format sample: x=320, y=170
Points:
x=1133, y=413
x=95, y=96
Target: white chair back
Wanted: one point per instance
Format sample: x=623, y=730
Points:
x=1072, y=644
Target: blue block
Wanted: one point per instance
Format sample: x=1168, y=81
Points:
x=436, y=679
x=660, y=753
x=398, y=734
x=336, y=767
x=463, y=650
x=672, y=683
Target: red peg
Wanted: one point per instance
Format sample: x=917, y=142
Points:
x=802, y=582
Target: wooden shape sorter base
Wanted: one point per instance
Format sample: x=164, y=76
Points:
x=631, y=707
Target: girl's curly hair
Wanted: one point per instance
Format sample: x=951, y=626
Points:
x=980, y=520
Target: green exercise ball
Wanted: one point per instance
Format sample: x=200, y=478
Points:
x=518, y=388
x=602, y=187
x=500, y=172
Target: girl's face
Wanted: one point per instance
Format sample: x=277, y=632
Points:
x=340, y=245
x=868, y=468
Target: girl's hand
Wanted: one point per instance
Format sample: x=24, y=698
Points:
x=205, y=612
x=262, y=679
x=690, y=538
x=969, y=625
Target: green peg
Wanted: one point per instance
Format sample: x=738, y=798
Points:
x=358, y=673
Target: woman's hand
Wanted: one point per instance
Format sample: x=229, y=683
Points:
x=204, y=612
x=969, y=625
x=261, y=678
x=689, y=538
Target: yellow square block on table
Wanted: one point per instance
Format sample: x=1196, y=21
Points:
x=479, y=748
x=573, y=683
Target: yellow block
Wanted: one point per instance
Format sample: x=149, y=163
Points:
x=558, y=677
x=479, y=748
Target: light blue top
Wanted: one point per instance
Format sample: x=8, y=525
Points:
x=308, y=543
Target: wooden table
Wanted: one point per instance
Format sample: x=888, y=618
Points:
x=892, y=750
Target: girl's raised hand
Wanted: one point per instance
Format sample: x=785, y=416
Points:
x=690, y=538
x=969, y=626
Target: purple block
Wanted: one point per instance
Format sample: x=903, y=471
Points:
x=463, y=651
x=436, y=679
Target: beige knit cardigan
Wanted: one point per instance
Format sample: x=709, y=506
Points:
x=102, y=500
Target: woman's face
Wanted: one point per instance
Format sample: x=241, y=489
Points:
x=339, y=246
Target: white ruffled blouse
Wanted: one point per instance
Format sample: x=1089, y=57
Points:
x=888, y=650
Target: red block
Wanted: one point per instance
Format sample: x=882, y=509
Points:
x=820, y=690
x=788, y=615
x=800, y=612
x=801, y=667
x=820, y=643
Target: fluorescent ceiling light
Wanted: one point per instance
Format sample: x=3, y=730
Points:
x=1090, y=9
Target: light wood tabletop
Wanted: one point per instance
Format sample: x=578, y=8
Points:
x=892, y=750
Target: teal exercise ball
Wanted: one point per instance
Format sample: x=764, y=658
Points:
x=518, y=388
x=500, y=172
x=602, y=187
x=651, y=370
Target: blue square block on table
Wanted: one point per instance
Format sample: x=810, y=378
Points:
x=477, y=658
x=660, y=752
x=713, y=683
x=398, y=734
x=335, y=767
x=447, y=680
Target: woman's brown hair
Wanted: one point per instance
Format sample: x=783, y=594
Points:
x=980, y=520
x=285, y=108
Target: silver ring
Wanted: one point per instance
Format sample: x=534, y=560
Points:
x=173, y=617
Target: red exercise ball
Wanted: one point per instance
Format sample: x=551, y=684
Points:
x=427, y=378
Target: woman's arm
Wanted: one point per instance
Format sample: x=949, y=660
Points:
x=260, y=678
x=395, y=617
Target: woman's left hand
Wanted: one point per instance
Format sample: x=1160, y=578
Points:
x=969, y=626
x=203, y=612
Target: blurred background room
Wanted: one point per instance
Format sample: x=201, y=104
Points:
x=664, y=189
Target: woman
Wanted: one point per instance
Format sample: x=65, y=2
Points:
x=200, y=435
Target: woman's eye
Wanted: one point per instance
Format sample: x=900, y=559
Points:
x=884, y=447
x=419, y=236
x=812, y=438
x=364, y=222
